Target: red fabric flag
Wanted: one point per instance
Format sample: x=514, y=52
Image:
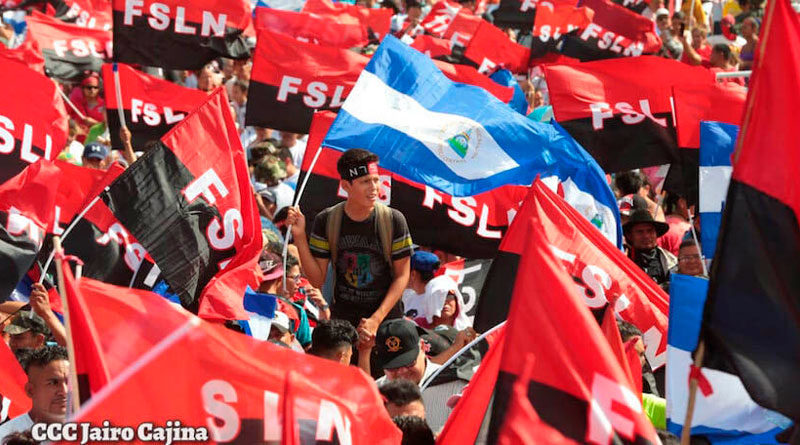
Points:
x=754, y=282
x=462, y=29
x=611, y=332
x=180, y=34
x=94, y=14
x=33, y=120
x=439, y=18
x=620, y=110
x=634, y=362
x=469, y=75
x=26, y=210
x=522, y=424
x=27, y=53
x=151, y=105
x=720, y=102
x=624, y=22
x=577, y=385
x=13, y=399
x=72, y=194
x=312, y=28
x=490, y=47
x=90, y=365
x=468, y=415
x=378, y=20
x=432, y=47
x=230, y=384
x=69, y=50
x=191, y=205
x=554, y=21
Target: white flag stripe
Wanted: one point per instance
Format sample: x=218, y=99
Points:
x=714, y=187
x=373, y=102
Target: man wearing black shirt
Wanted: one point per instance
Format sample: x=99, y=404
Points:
x=642, y=233
x=372, y=248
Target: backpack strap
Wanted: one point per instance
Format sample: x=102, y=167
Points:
x=332, y=229
x=384, y=220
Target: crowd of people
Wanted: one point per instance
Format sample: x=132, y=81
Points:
x=356, y=288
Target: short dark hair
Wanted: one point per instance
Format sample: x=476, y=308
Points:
x=241, y=85
x=629, y=182
x=284, y=153
x=44, y=356
x=415, y=430
x=332, y=334
x=687, y=243
x=353, y=158
x=627, y=330
x=20, y=438
x=723, y=49
x=400, y=392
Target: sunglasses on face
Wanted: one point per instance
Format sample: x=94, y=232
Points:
x=89, y=87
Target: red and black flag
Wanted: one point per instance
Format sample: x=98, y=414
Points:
x=431, y=46
x=311, y=28
x=614, y=32
x=620, y=110
x=441, y=15
x=239, y=400
x=553, y=22
x=751, y=324
x=69, y=50
x=575, y=383
x=637, y=6
x=33, y=121
x=377, y=22
x=604, y=277
x=469, y=226
x=189, y=202
x=491, y=48
x=519, y=14
x=151, y=105
x=13, y=399
x=292, y=79
x=94, y=14
x=26, y=210
x=179, y=34
x=90, y=365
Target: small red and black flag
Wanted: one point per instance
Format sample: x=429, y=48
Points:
x=151, y=105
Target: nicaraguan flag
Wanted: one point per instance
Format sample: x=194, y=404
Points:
x=458, y=138
x=261, y=308
x=727, y=415
x=716, y=146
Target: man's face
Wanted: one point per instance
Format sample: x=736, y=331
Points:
x=363, y=191
x=689, y=261
x=663, y=22
x=639, y=346
x=716, y=59
x=414, y=13
x=656, y=4
x=26, y=340
x=237, y=95
x=288, y=139
x=285, y=337
x=94, y=163
x=47, y=388
x=415, y=409
x=450, y=306
x=91, y=91
x=413, y=372
x=643, y=236
x=676, y=25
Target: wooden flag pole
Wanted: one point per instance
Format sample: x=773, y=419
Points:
x=687, y=423
x=74, y=396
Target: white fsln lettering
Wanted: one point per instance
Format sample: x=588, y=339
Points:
x=272, y=425
x=18, y=224
x=331, y=417
x=315, y=92
x=652, y=341
x=232, y=228
x=159, y=19
x=527, y=4
x=57, y=229
x=202, y=186
x=603, y=419
x=462, y=211
x=487, y=66
x=217, y=394
x=602, y=111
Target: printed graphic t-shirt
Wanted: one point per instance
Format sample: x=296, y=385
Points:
x=363, y=275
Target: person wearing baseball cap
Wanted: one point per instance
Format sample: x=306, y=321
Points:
x=26, y=331
x=281, y=329
x=431, y=301
x=94, y=153
x=401, y=352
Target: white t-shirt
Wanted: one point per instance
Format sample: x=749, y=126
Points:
x=20, y=423
x=298, y=151
x=284, y=194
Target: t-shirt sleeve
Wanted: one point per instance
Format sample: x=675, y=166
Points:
x=318, y=242
x=401, y=239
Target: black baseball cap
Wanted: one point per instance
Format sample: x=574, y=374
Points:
x=397, y=342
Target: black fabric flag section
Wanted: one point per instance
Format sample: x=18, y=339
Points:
x=179, y=34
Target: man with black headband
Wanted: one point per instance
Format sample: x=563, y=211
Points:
x=369, y=245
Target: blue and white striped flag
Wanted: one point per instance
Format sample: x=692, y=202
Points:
x=261, y=308
x=726, y=416
x=716, y=145
x=458, y=138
